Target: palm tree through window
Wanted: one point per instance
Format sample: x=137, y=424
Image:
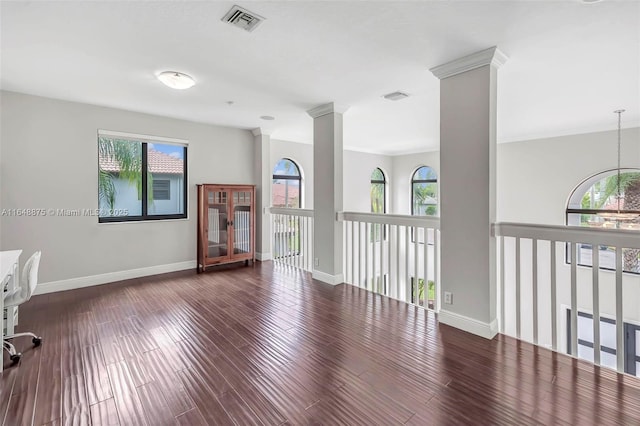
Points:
x=424, y=192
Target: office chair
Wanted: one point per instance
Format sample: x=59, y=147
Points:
x=18, y=296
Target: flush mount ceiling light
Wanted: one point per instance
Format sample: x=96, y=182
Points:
x=395, y=96
x=176, y=80
x=267, y=117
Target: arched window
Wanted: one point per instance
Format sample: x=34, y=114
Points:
x=600, y=202
x=424, y=192
x=378, y=191
x=286, y=189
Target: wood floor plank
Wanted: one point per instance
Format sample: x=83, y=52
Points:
x=155, y=405
x=202, y=395
x=192, y=417
x=167, y=382
x=105, y=413
x=97, y=378
x=130, y=411
x=75, y=407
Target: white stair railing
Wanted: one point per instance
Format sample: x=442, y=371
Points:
x=292, y=237
x=393, y=255
x=563, y=287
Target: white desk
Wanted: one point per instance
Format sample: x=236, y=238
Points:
x=9, y=277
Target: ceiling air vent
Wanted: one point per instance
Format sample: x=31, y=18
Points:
x=242, y=18
x=395, y=96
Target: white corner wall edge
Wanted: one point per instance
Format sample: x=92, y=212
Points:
x=91, y=280
x=263, y=257
x=470, y=325
x=327, y=278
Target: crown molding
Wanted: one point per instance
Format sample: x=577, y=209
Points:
x=491, y=56
x=259, y=132
x=330, y=108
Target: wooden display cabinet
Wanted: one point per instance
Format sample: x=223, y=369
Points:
x=226, y=224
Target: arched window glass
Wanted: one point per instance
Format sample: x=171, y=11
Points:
x=599, y=202
x=378, y=191
x=286, y=188
x=424, y=192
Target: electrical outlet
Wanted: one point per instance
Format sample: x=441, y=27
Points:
x=448, y=298
x=316, y=262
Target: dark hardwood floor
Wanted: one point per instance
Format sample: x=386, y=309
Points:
x=265, y=344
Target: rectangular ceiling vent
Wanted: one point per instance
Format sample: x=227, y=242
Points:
x=242, y=18
x=395, y=96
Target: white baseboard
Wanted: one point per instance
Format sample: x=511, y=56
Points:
x=110, y=277
x=327, y=278
x=263, y=257
x=470, y=325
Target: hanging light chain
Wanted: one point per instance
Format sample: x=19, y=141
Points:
x=619, y=195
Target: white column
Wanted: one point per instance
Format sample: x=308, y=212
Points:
x=468, y=190
x=263, y=174
x=327, y=192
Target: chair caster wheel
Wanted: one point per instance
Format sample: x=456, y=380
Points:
x=15, y=358
x=36, y=341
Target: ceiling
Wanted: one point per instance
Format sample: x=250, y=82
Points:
x=571, y=64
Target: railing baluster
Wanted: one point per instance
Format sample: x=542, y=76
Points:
x=436, y=269
x=534, y=285
x=518, y=287
x=595, y=270
x=426, y=269
x=574, y=299
x=383, y=233
x=407, y=283
x=502, y=288
x=374, y=283
x=367, y=252
x=353, y=255
x=619, y=312
x=297, y=242
x=554, y=309
x=397, y=248
x=361, y=252
x=416, y=298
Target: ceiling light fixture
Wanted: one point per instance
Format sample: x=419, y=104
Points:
x=267, y=117
x=620, y=214
x=176, y=80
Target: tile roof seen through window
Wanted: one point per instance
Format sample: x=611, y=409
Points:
x=159, y=162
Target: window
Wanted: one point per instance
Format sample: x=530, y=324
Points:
x=286, y=189
x=591, y=204
x=140, y=178
x=378, y=191
x=607, y=342
x=161, y=189
x=424, y=192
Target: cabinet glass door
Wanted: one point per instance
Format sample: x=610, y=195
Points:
x=241, y=222
x=217, y=224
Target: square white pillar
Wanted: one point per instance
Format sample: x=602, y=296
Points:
x=263, y=174
x=327, y=193
x=468, y=190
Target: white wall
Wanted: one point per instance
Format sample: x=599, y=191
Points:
x=49, y=160
x=302, y=155
x=403, y=168
x=535, y=178
x=358, y=167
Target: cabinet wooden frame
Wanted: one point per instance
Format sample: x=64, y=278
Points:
x=217, y=242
